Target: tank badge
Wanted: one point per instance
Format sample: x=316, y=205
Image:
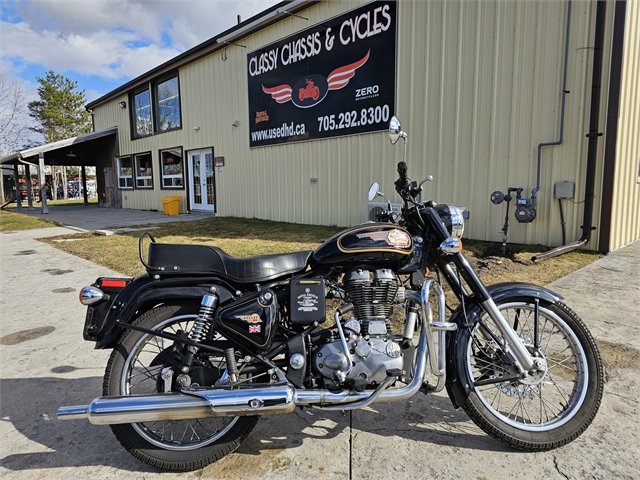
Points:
x=399, y=239
x=255, y=318
x=254, y=328
x=396, y=238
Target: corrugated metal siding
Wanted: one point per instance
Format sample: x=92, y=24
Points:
x=478, y=87
x=625, y=225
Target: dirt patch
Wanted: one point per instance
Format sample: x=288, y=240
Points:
x=56, y=271
x=25, y=252
x=24, y=335
x=617, y=356
x=496, y=267
x=63, y=290
x=267, y=463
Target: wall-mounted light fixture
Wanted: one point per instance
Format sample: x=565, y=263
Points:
x=235, y=123
x=71, y=154
x=196, y=128
x=122, y=104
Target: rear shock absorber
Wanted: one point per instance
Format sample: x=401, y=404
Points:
x=202, y=326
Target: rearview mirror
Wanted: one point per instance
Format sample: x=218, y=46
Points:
x=395, y=130
x=373, y=191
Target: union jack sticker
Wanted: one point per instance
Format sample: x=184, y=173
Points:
x=254, y=328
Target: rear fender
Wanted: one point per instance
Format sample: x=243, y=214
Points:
x=457, y=341
x=145, y=293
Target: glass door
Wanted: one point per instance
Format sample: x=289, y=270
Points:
x=201, y=180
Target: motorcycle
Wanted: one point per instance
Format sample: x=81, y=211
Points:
x=205, y=343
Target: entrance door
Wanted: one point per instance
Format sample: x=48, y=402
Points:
x=202, y=180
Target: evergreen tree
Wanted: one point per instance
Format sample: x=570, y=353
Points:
x=60, y=111
x=60, y=114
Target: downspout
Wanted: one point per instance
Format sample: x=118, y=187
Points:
x=593, y=142
x=534, y=192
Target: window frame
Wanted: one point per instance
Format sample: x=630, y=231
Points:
x=130, y=177
x=156, y=102
x=133, y=115
x=151, y=88
x=136, y=171
x=182, y=173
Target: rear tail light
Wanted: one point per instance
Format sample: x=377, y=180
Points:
x=113, y=283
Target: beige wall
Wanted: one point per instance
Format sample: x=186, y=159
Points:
x=478, y=88
x=625, y=225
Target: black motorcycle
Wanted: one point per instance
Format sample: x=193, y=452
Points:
x=204, y=342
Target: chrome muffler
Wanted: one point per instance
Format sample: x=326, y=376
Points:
x=190, y=404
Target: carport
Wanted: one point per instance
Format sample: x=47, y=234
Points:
x=97, y=149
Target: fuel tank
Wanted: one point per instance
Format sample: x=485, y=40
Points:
x=380, y=243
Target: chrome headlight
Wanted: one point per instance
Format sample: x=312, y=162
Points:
x=451, y=216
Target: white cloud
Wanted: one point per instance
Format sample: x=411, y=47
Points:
x=113, y=39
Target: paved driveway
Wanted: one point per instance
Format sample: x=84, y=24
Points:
x=45, y=364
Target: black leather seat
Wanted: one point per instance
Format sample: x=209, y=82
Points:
x=203, y=259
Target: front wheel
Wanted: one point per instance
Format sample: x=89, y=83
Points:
x=541, y=412
x=135, y=367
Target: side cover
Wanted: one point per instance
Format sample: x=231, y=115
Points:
x=250, y=320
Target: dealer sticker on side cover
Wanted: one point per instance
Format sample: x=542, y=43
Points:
x=308, y=302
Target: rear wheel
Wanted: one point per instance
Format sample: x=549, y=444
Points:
x=135, y=368
x=544, y=411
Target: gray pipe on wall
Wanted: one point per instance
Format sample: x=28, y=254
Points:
x=592, y=148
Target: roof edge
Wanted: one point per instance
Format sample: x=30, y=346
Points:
x=210, y=46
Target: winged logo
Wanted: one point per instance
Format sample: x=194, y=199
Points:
x=312, y=89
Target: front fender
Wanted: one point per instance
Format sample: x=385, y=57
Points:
x=467, y=318
x=145, y=292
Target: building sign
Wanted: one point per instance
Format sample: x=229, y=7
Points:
x=333, y=79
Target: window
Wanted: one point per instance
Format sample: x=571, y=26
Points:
x=171, y=168
x=167, y=105
x=142, y=124
x=125, y=179
x=156, y=107
x=144, y=170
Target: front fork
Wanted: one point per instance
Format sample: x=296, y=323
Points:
x=513, y=346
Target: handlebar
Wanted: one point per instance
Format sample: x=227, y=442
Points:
x=402, y=171
x=403, y=184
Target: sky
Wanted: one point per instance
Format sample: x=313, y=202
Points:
x=102, y=44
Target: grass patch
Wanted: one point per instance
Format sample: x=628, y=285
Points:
x=240, y=237
x=12, y=221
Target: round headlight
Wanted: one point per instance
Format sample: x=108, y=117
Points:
x=451, y=216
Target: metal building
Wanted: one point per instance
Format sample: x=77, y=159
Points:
x=284, y=116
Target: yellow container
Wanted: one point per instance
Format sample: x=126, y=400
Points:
x=171, y=205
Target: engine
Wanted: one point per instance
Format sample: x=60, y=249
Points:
x=368, y=333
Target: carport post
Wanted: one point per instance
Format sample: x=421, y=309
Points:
x=42, y=182
x=16, y=177
x=27, y=179
x=84, y=185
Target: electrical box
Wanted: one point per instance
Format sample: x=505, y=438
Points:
x=564, y=189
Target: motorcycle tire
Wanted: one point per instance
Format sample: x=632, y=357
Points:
x=182, y=445
x=541, y=413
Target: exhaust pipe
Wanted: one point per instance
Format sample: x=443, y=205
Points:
x=183, y=406
x=255, y=399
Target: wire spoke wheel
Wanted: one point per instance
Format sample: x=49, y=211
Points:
x=141, y=377
x=135, y=368
x=541, y=411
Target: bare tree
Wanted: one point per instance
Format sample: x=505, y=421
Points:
x=14, y=123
